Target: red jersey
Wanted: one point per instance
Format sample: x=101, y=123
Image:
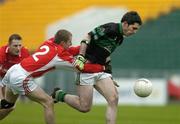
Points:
x=50, y=56
x=7, y=59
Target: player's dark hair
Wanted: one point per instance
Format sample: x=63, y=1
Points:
x=132, y=17
x=14, y=37
x=62, y=35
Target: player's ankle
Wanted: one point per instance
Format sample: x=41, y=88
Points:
x=60, y=95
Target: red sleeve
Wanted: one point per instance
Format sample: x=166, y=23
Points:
x=25, y=52
x=88, y=68
x=92, y=68
x=64, y=54
x=2, y=55
x=2, y=59
x=74, y=50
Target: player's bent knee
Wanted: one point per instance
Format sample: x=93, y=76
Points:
x=113, y=100
x=85, y=108
x=4, y=104
x=48, y=102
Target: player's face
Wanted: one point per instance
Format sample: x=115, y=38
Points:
x=67, y=44
x=130, y=29
x=15, y=47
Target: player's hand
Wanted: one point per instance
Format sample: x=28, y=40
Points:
x=79, y=62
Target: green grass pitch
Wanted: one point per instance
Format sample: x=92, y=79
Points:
x=32, y=113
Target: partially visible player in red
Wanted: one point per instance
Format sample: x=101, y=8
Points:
x=52, y=54
x=11, y=54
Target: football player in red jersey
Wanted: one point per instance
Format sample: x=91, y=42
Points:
x=53, y=53
x=11, y=54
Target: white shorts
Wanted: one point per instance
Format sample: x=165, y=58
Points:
x=18, y=80
x=91, y=78
x=1, y=84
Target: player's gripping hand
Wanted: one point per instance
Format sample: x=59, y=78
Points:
x=79, y=62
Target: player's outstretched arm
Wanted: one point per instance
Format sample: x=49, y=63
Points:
x=80, y=60
x=93, y=68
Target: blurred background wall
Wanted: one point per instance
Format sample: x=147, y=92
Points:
x=31, y=17
x=152, y=53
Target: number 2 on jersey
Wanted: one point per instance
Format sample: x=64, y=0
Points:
x=40, y=53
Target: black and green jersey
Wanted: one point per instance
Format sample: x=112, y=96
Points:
x=104, y=40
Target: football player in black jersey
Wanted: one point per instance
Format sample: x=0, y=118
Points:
x=97, y=48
